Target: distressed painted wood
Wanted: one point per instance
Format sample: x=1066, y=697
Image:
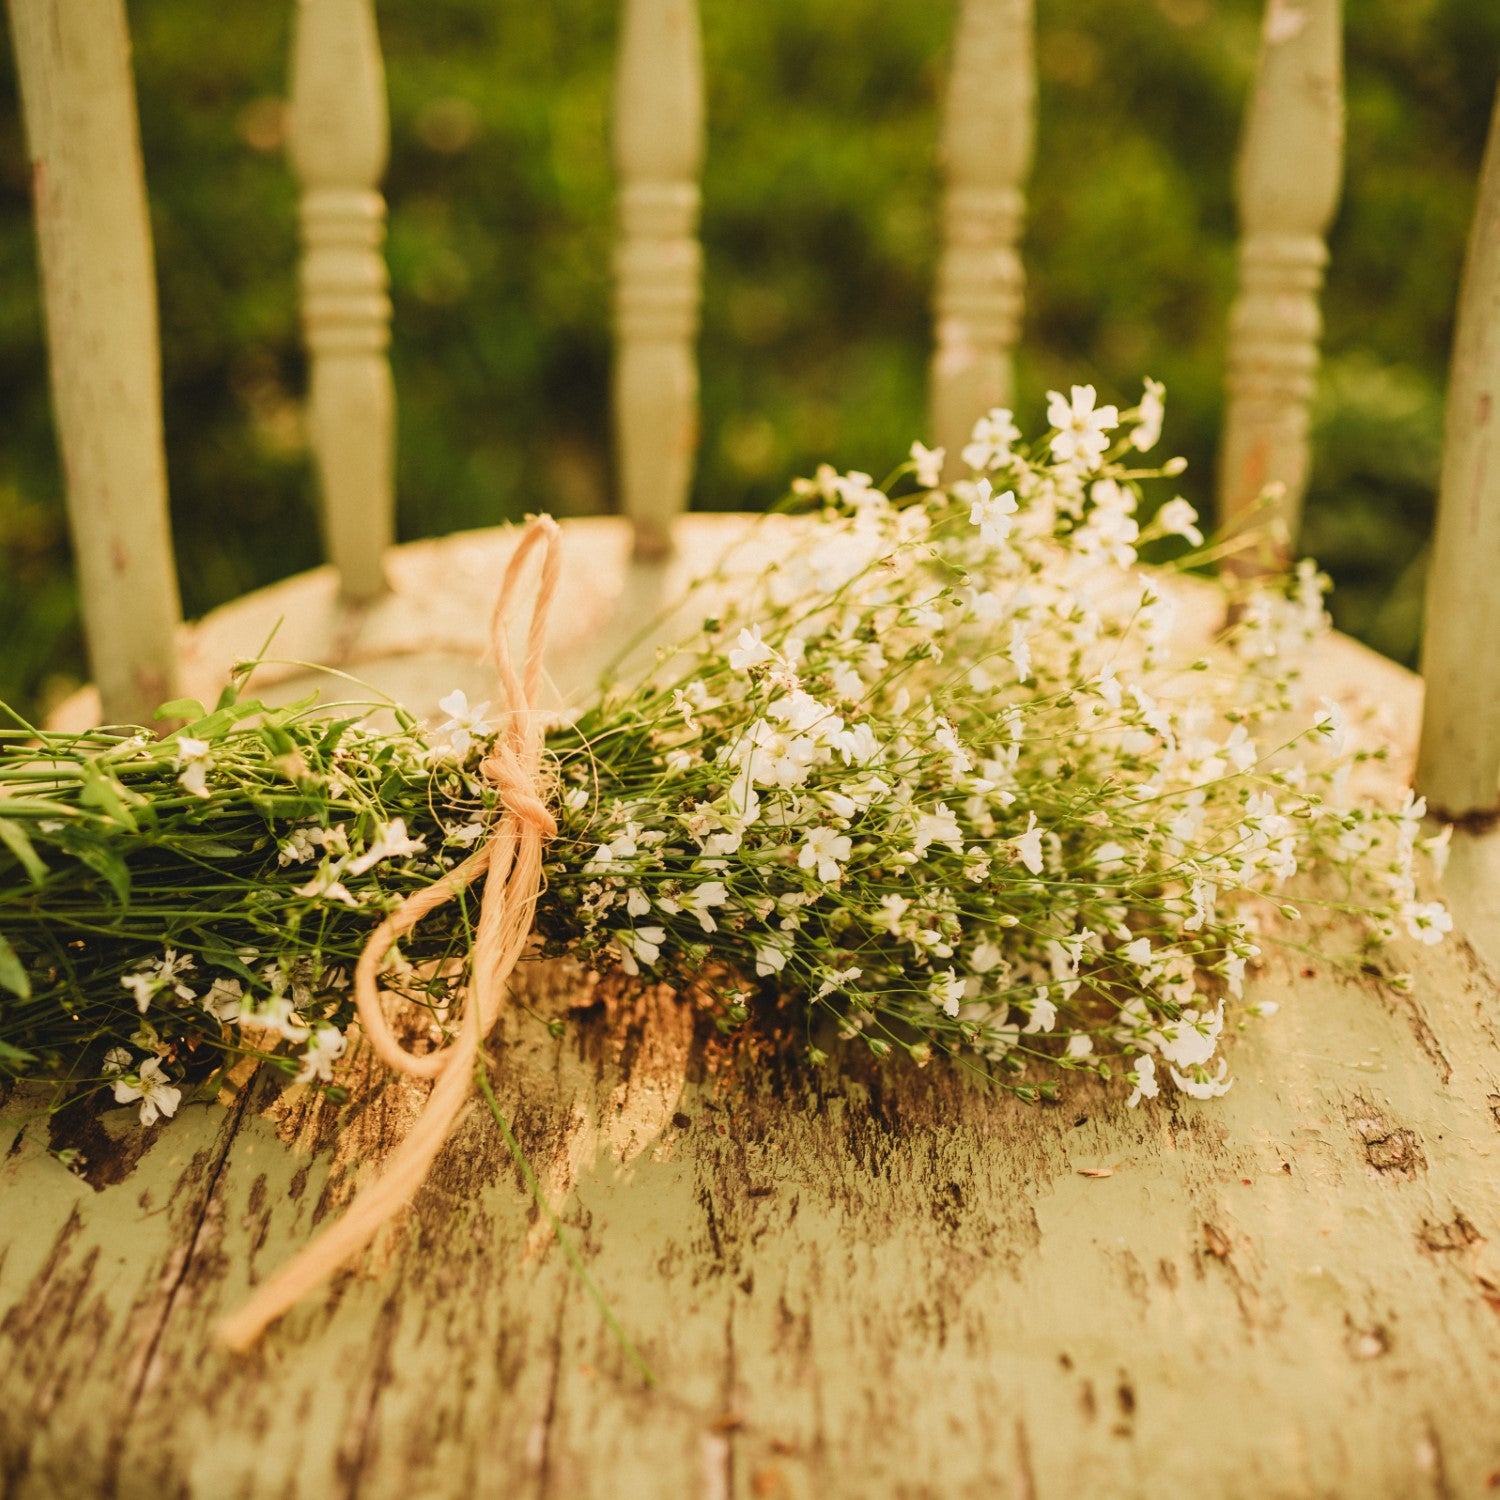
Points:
x=1290, y=168
x=339, y=143
x=429, y=633
x=1458, y=766
x=856, y=1281
x=989, y=126
x=658, y=149
x=99, y=293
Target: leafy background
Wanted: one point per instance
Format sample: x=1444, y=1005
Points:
x=819, y=225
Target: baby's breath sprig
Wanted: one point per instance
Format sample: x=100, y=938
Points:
x=943, y=770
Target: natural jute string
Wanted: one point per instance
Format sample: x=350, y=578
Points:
x=511, y=862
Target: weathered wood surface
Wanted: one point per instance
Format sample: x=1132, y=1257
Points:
x=860, y=1282
x=99, y=291
x=851, y=1283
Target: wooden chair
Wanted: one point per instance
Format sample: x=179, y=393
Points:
x=864, y=1281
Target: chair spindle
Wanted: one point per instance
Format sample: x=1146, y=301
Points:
x=1290, y=169
x=1458, y=764
x=658, y=147
x=99, y=292
x=989, y=130
x=340, y=139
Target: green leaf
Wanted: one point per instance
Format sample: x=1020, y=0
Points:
x=277, y=740
x=103, y=792
x=13, y=1059
x=181, y=708
x=13, y=974
x=105, y=862
x=15, y=840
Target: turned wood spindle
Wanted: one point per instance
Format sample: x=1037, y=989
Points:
x=988, y=134
x=99, y=292
x=1290, y=167
x=340, y=138
x=658, y=147
x=1458, y=765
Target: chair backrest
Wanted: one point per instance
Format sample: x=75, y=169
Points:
x=78, y=100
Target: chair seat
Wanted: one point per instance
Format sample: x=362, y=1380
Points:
x=858, y=1281
x=430, y=633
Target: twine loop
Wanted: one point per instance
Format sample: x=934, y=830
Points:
x=510, y=859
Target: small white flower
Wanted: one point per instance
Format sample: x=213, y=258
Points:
x=390, y=842
x=1332, y=723
x=752, y=651
x=464, y=724
x=224, y=1000
x=297, y=848
x=276, y=1013
x=1437, y=848
x=992, y=513
x=193, y=760
x=1042, y=1012
x=989, y=444
x=826, y=850
x=150, y=1085
x=858, y=745
x=771, y=956
x=945, y=736
x=1197, y=1083
x=985, y=957
x=642, y=944
x=116, y=1061
x=143, y=989
x=1079, y=1045
x=323, y=1050
x=1019, y=650
x=1028, y=845
x=326, y=886
x=1080, y=438
x=1148, y=427
x=940, y=826
x=927, y=465
x=702, y=897
x=1427, y=921
x=1178, y=518
x=947, y=992
x=1143, y=1076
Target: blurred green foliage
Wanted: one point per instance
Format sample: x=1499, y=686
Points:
x=819, y=224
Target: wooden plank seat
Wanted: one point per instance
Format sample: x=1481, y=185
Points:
x=861, y=1280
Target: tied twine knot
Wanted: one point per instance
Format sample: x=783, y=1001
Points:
x=510, y=860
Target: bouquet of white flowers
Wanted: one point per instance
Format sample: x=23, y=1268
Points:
x=942, y=771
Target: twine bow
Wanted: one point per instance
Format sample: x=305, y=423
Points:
x=511, y=862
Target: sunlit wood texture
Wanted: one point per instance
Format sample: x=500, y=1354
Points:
x=658, y=146
x=99, y=290
x=1459, y=764
x=340, y=138
x=1290, y=167
x=989, y=128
